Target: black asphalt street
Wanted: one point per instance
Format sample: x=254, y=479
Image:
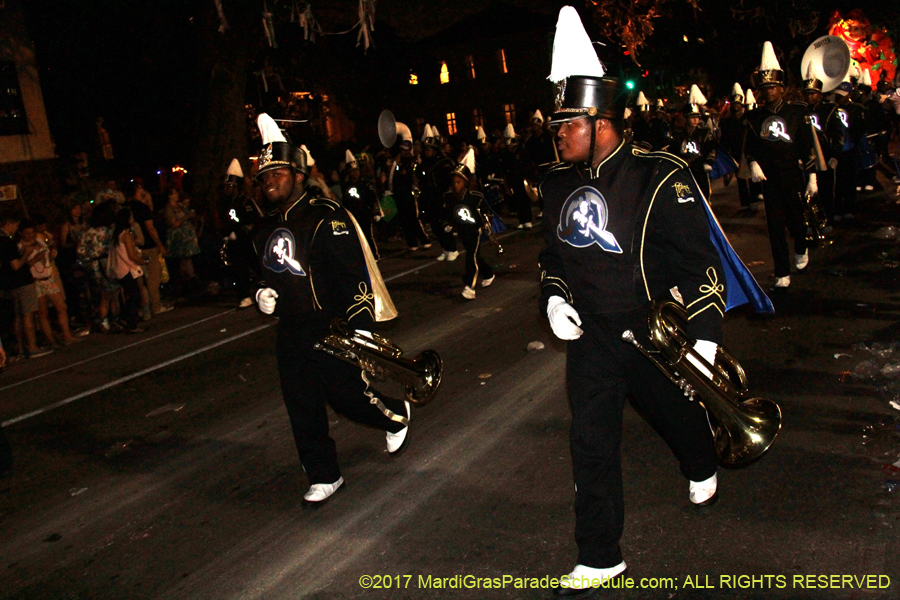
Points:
x=162, y=465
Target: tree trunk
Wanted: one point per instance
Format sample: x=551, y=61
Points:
x=226, y=60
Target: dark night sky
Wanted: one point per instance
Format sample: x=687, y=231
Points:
x=136, y=63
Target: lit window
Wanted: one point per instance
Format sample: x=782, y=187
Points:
x=471, y=63
x=510, y=111
x=413, y=79
x=501, y=58
x=445, y=73
x=478, y=118
x=451, y=123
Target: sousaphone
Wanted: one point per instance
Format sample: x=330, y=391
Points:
x=389, y=129
x=832, y=56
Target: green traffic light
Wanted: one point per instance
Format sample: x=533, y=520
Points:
x=629, y=85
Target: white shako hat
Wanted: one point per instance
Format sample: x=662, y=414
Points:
x=660, y=104
x=234, y=174
x=750, y=100
x=769, y=72
x=696, y=99
x=865, y=81
x=480, y=135
x=737, y=94
x=277, y=152
x=642, y=103
x=466, y=166
x=537, y=116
x=582, y=88
x=813, y=79
x=509, y=133
x=350, y=160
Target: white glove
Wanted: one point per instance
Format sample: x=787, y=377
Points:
x=812, y=186
x=832, y=163
x=376, y=218
x=265, y=298
x=707, y=350
x=756, y=172
x=707, y=168
x=561, y=315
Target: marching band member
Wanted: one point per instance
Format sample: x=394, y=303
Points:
x=467, y=206
x=778, y=140
x=693, y=144
x=241, y=219
x=622, y=227
x=317, y=267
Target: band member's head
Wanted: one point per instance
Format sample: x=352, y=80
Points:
x=283, y=169
x=590, y=107
x=769, y=78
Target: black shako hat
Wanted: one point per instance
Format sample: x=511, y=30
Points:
x=583, y=96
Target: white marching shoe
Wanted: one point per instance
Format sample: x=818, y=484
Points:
x=703, y=493
x=468, y=293
x=583, y=582
x=320, y=492
x=783, y=282
x=442, y=255
x=486, y=282
x=396, y=442
x=801, y=260
x=451, y=256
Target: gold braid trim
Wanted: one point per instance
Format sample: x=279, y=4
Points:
x=712, y=292
x=365, y=300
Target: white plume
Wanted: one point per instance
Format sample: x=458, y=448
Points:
x=349, y=159
x=642, y=100
x=769, y=61
x=235, y=168
x=737, y=90
x=469, y=160
x=269, y=129
x=813, y=72
x=627, y=113
x=750, y=99
x=509, y=133
x=479, y=134
x=573, y=52
x=310, y=161
x=696, y=96
x=866, y=79
x=427, y=133
x=660, y=103
x=537, y=116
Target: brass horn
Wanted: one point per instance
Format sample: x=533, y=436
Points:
x=380, y=358
x=815, y=222
x=832, y=56
x=389, y=129
x=745, y=426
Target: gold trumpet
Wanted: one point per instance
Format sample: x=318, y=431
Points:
x=380, y=358
x=745, y=426
x=815, y=222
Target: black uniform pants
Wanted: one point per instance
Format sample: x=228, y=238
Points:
x=242, y=267
x=522, y=205
x=601, y=370
x=309, y=379
x=825, y=183
x=476, y=266
x=748, y=191
x=781, y=191
x=845, y=183
x=408, y=211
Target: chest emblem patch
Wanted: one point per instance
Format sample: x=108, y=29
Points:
x=583, y=220
x=814, y=119
x=339, y=228
x=280, y=252
x=774, y=129
x=842, y=115
x=689, y=147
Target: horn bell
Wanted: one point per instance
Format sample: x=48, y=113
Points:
x=832, y=56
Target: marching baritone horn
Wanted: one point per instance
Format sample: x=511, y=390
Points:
x=815, y=221
x=745, y=426
x=380, y=358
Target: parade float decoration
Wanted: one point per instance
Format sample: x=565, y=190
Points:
x=870, y=46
